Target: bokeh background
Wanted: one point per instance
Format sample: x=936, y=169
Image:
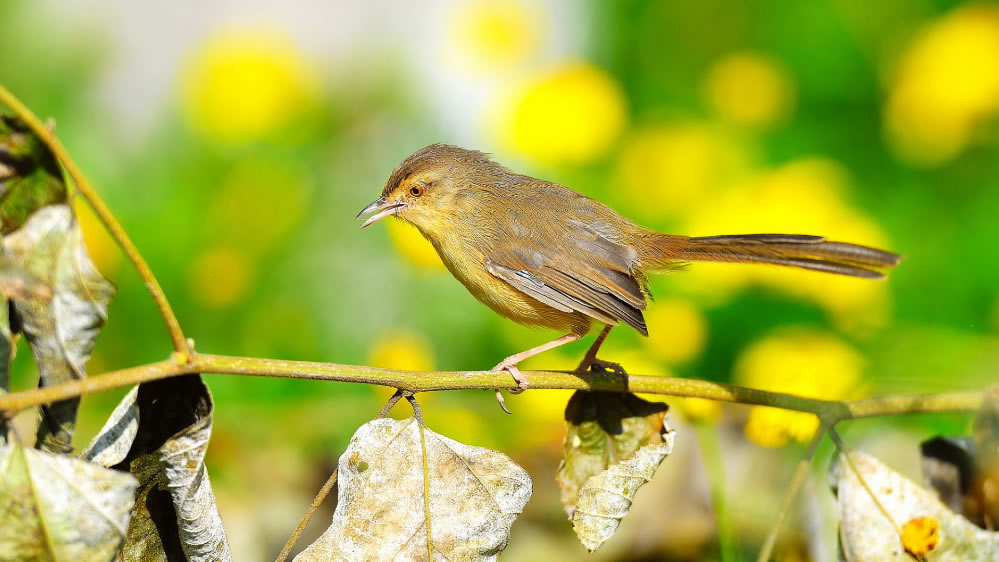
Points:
x=237, y=140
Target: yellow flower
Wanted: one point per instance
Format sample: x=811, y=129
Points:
x=412, y=246
x=749, y=89
x=219, y=277
x=945, y=85
x=491, y=34
x=570, y=114
x=803, y=362
x=677, y=330
x=245, y=84
x=664, y=170
x=802, y=197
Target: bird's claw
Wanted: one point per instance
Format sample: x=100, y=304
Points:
x=522, y=382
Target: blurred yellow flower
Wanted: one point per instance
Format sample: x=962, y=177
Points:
x=664, y=170
x=803, y=362
x=570, y=114
x=219, y=277
x=491, y=34
x=412, y=246
x=401, y=350
x=802, y=197
x=103, y=250
x=945, y=85
x=244, y=84
x=749, y=89
x=260, y=202
x=677, y=330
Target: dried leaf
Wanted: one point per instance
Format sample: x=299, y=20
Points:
x=111, y=444
x=6, y=354
x=30, y=178
x=62, y=330
x=604, y=428
x=475, y=495
x=605, y=499
x=866, y=533
x=982, y=505
x=57, y=508
x=160, y=433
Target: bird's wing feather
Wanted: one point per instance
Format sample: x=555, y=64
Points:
x=585, y=273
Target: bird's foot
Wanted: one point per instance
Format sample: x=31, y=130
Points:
x=522, y=382
x=593, y=364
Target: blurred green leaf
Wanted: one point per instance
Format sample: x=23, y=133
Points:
x=475, y=495
x=160, y=433
x=62, y=330
x=604, y=428
x=30, y=177
x=57, y=508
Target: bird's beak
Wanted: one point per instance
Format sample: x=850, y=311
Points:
x=381, y=209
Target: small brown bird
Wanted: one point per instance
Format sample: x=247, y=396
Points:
x=544, y=255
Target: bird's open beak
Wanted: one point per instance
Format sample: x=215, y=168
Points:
x=381, y=209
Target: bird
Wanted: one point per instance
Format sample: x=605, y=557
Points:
x=545, y=255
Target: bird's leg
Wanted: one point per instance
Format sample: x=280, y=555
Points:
x=590, y=359
x=510, y=364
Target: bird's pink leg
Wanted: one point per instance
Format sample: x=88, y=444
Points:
x=510, y=364
x=590, y=359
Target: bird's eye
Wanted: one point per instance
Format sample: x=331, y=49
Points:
x=416, y=190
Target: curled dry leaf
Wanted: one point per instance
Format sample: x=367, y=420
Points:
x=866, y=533
x=61, y=330
x=473, y=494
x=58, y=508
x=30, y=178
x=160, y=432
x=605, y=499
x=604, y=428
x=6, y=354
x=982, y=505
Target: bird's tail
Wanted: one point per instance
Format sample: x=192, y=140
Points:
x=662, y=251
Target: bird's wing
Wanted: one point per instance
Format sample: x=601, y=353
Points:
x=582, y=271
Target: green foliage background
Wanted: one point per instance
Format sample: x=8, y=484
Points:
x=311, y=286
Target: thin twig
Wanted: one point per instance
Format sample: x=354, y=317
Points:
x=104, y=214
x=316, y=502
x=426, y=474
x=796, y=480
x=390, y=404
x=849, y=461
x=414, y=381
x=416, y=407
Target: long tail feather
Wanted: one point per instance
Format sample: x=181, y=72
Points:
x=794, y=250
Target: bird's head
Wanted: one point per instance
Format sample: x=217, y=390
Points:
x=432, y=187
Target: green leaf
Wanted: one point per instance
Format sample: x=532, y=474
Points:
x=604, y=428
x=160, y=433
x=474, y=496
x=57, y=508
x=63, y=329
x=30, y=177
x=867, y=533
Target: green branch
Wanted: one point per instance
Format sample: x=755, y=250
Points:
x=104, y=214
x=414, y=381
